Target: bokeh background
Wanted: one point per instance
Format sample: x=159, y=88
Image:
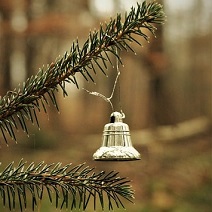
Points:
x=165, y=93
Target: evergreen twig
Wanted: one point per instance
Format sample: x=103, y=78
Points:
x=24, y=103
x=67, y=186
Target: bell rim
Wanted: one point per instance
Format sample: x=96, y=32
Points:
x=116, y=153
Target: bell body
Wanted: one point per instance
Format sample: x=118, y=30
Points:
x=116, y=141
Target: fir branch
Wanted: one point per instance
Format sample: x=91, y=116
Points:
x=23, y=103
x=69, y=187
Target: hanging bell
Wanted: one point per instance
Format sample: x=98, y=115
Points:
x=116, y=143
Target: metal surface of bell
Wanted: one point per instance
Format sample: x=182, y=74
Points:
x=116, y=143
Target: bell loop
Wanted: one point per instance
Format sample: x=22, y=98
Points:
x=117, y=117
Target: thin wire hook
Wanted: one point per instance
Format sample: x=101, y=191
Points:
x=108, y=99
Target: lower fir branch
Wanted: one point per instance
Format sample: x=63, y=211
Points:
x=75, y=186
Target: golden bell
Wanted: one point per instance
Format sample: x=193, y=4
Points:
x=116, y=143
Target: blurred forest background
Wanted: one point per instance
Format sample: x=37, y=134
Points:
x=165, y=93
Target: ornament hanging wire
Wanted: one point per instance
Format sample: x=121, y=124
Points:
x=108, y=99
